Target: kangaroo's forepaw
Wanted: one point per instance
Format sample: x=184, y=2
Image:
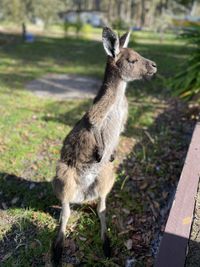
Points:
x=107, y=247
x=98, y=154
x=113, y=156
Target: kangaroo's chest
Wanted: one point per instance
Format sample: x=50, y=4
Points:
x=113, y=126
x=111, y=129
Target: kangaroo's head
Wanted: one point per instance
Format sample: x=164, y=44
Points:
x=128, y=63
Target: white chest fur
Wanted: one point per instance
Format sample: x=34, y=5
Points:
x=113, y=123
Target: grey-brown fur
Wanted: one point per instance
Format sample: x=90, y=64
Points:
x=85, y=170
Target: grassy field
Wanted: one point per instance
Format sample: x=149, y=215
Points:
x=31, y=134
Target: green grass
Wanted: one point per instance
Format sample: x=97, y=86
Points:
x=31, y=134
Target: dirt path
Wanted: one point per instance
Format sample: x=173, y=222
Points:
x=64, y=86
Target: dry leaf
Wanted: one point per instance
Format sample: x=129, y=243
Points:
x=144, y=185
x=126, y=211
x=82, y=238
x=128, y=244
x=8, y=255
x=14, y=200
x=5, y=207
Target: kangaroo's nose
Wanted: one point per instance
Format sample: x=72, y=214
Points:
x=153, y=64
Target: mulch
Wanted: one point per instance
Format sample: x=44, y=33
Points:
x=154, y=176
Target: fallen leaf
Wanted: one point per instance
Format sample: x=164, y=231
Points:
x=82, y=238
x=144, y=185
x=32, y=185
x=130, y=262
x=8, y=255
x=126, y=211
x=14, y=200
x=128, y=244
x=5, y=207
x=130, y=221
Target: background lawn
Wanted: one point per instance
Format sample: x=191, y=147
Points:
x=150, y=155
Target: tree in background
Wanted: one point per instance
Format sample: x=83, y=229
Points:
x=13, y=10
x=139, y=13
x=47, y=10
x=19, y=11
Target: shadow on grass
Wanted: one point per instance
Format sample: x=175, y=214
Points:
x=17, y=192
x=71, y=117
x=28, y=61
x=45, y=48
x=27, y=243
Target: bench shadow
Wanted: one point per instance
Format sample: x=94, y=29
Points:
x=173, y=252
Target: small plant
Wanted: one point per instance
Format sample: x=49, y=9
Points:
x=87, y=29
x=119, y=24
x=66, y=27
x=78, y=26
x=186, y=83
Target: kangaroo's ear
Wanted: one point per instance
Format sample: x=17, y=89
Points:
x=124, y=39
x=110, y=42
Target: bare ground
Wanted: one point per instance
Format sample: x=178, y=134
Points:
x=64, y=86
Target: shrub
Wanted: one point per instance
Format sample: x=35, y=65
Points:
x=87, y=29
x=66, y=27
x=78, y=28
x=186, y=83
x=119, y=24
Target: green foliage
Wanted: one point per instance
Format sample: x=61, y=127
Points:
x=79, y=28
x=47, y=10
x=14, y=10
x=87, y=29
x=186, y=83
x=66, y=27
x=119, y=24
x=19, y=11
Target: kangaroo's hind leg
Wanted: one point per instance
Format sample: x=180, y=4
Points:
x=57, y=247
x=106, y=181
x=64, y=187
x=101, y=209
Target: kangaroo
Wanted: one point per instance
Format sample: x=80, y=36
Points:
x=85, y=169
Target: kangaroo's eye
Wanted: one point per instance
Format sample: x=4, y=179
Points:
x=132, y=61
